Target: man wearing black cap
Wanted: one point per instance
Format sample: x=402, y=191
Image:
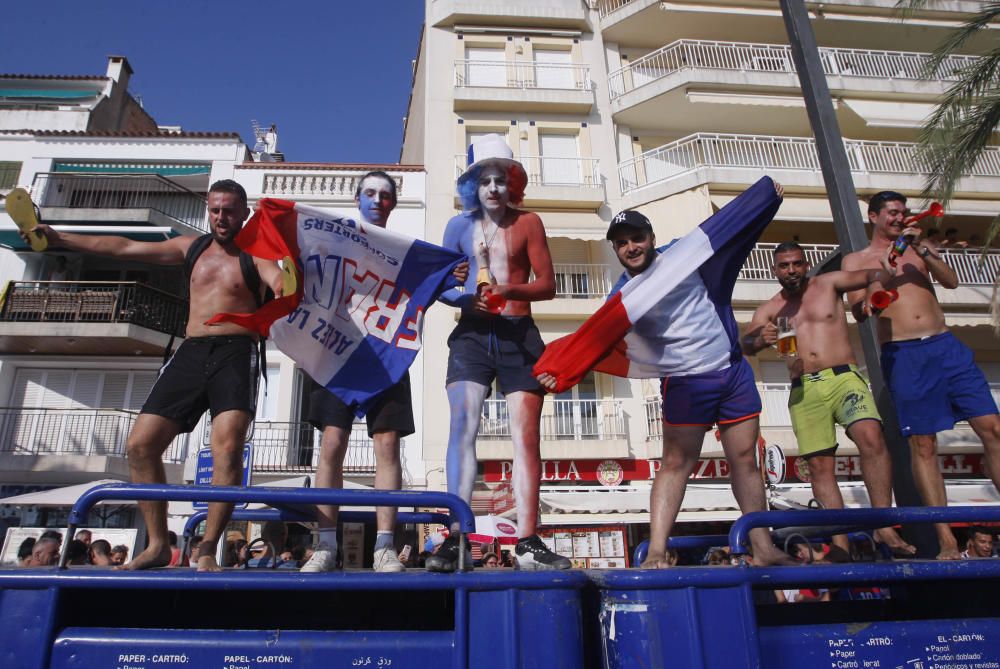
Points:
x=688, y=339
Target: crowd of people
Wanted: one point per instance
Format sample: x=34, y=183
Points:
x=44, y=551
x=681, y=330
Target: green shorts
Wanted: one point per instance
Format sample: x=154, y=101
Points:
x=819, y=399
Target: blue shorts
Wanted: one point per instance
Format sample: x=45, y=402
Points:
x=728, y=396
x=934, y=383
x=505, y=348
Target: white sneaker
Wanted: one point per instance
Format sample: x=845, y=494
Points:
x=387, y=560
x=323, y=559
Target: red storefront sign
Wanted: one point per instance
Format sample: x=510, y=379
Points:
x=612, y=471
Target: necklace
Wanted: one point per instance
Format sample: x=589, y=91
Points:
x=488, y=241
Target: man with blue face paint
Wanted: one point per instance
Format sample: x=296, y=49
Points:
x=389, y=420
x=496, y=338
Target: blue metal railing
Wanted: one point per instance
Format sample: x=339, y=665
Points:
x=290, y=500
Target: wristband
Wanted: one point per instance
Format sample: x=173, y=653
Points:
x=924, y=252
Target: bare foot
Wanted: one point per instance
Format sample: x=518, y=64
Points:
x=655, y=562
x=148, y=559
x=949, y=553
x=208, y=563
x=891, y=538
x=772, y=557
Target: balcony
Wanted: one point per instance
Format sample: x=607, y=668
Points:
x=658, y=89
x=776, y=423
x=524, y=13
x=569, y=428
x=64, y=440
x=294, y=448
x=95, y=318
x=580, y=291
x=843, y=23
x=756, y=283
x=705, y=158
x=484, y=85
x=567, y=183
x=308, y=183
x=127, y=202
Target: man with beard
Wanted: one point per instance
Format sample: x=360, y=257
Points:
x=216, y=368
x=826, y=385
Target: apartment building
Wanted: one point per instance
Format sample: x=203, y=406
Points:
x=673, y=108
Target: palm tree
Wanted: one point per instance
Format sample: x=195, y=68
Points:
x=956, y=134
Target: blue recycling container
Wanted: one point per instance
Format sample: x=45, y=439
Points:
x=940, y=615
x=55, y=618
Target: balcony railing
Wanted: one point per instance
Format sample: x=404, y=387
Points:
x=94, y=302
x=605, y=7
x=294, y=447
x=561, y=419
x=121, y=191
x=965, y=262
x=322, y=185
x=707, y=150
x=91, y=432
x=551, y=171
x=575, y=281
x=521, y=75
x=774, y=398
x=775, y=58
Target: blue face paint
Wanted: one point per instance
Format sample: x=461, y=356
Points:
x=375, y=201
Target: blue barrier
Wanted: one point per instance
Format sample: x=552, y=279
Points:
x=940, y=614
x=291, y=500
x=174, y=618
x=739, y=534
x=706, y=541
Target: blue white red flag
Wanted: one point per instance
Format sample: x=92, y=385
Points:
x=716, y=249
x=356, y=326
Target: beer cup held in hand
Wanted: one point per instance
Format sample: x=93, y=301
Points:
x=787, y=343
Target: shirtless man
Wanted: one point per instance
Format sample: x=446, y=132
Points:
x=389, y=421
x=932, y=377
x=826, y=385
x=215, y=368
x=496, y=337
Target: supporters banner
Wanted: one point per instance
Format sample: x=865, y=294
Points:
x=355, y=321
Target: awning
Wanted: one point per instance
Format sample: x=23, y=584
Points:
x=889, y=114
x=963, y=492
x=796, y=208
x=631, y=504
x=588, y=227
x=163, y=169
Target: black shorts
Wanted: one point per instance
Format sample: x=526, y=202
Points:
x=505, y=348
x=392, y=411
x=215, y=373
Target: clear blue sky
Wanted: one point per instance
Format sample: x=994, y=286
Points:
x=334, y=75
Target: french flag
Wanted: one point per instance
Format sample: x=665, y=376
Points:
x=717, y=249
x=355, y=321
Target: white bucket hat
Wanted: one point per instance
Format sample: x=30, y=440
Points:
x=491, y=149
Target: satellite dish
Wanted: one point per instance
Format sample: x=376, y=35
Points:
x=774, y=464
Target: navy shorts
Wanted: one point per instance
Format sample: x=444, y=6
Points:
x=505, y=348
x=934, y=383
x=393, y=411
x=206, y=373
x=727, y=396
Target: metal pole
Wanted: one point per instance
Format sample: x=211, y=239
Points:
x=852, y=237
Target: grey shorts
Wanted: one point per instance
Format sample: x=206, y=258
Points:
x=502, y=348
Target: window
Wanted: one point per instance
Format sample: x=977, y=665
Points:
x=267, y=394
x=575, y=411
x=553, y=69
x=560, y=159
x=9, y=174
x=484, y=67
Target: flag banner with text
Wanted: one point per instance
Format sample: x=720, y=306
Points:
x=356, y=325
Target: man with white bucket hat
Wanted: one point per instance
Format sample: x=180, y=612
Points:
x=496, y=338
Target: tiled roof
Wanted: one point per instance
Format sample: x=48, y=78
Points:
x=354, y=167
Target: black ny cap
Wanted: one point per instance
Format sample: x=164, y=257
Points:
x=629, y=219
